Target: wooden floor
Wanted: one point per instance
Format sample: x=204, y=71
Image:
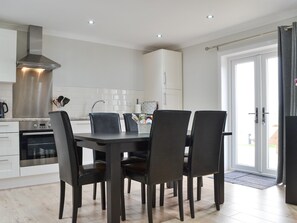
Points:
x=38, y=204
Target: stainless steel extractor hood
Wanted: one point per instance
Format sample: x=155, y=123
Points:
x=35, y=59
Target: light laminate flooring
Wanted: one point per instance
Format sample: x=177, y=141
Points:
x=38, y=204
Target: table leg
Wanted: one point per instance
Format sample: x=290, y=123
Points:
x=113, y=170
x=221, y=174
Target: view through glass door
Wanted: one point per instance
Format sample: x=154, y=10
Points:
x=255, y=113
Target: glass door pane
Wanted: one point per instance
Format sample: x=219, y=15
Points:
x=244, y=97
x=270, y=118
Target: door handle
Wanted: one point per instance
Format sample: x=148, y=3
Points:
x=264, y=116
x=256, y=115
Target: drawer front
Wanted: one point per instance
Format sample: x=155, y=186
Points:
x=81, y=126
x=9, y=127
x=9, y=144
x=9, y=166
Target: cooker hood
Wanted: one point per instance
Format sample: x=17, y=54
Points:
x=34, y=59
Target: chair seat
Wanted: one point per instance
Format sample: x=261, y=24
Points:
x=136, y=171
x=132, y=159
x=90, y=172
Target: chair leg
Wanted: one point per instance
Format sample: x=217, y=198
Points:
x=103, y=195
x=94, y=191
x=180, y=199
x=191, y=197
x=154, y=196
x=62, y=198
x=142, y=193
x=199, y=185
x=150, y=189
x=162, y=194
x=75, y=203
x=129, y=186
x=79, y=196
x=123, y=211
x=217, y=191
x=174, y=189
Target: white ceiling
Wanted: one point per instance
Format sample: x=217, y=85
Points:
x=135, y=23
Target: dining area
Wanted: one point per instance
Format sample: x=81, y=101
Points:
x=155, y=159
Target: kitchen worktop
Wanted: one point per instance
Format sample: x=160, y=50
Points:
x=40, y=119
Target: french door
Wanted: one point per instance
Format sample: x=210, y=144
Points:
x=255, y=113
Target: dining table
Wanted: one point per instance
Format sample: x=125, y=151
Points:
x=113, y=145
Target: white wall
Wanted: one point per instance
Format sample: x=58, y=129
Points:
x=88, y=64
x=201, y=71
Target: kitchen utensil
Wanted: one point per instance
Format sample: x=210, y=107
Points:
x=3, y=109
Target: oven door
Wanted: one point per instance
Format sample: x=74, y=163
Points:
x=37, y=148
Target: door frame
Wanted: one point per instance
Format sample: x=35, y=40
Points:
x=224, y=80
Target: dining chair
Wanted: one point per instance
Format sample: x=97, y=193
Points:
x=70, y=170
x=131, y=126
x=164, y=161
x=103, y=122
x=204, y=151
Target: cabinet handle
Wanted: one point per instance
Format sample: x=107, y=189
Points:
x=165, y=101
x=4, y=137
x=4, y=160
x=164, y=78
x=2, y=125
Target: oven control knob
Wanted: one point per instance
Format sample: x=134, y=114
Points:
x=49, y=125
x=35, y=125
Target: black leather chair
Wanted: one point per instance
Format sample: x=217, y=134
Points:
x=103, y=122
x=131, y=126
x=165, y=156
x=70, y=170
x=204, y=151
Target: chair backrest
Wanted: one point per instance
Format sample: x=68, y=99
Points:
x=104, y=122
x=66, y=147
x=204, y=153
x=130, y=124
x=167, y=145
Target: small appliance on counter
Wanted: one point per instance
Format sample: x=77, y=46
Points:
x=148, y=107
x=3, y=109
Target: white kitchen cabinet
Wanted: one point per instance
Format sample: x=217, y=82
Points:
x=9, y=150
x=83, y=127
x=8, y=55
x=163, y=78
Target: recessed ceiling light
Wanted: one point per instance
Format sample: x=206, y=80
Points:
x=210, y=16
x=91, y=22
x=159, y=35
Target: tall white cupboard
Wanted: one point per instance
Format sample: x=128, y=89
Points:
x=8, y=55
x=163, y=78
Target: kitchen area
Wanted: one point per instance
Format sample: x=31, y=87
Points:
x=36, y=85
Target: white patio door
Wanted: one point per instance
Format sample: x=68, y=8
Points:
x=255, y=113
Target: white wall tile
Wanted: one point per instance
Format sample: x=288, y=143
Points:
x=82, y=99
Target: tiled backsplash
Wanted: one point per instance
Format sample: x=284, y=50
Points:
x=6, y=96
x=82, y=99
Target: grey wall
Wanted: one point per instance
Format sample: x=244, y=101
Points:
x=87, y=64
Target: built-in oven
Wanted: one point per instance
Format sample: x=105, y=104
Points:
x=37, y=144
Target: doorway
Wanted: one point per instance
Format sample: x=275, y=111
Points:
x=254, y=109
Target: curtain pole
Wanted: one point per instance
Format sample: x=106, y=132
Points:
x=242, y=39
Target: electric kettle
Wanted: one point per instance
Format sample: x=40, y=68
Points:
x=3, y=109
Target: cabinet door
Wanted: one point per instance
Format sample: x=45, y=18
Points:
x=9, y=144
x=7, y=55
x=9, y=166
x=172, y=99
x=172, y=69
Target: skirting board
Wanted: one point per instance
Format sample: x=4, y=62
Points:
x=29, y=180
